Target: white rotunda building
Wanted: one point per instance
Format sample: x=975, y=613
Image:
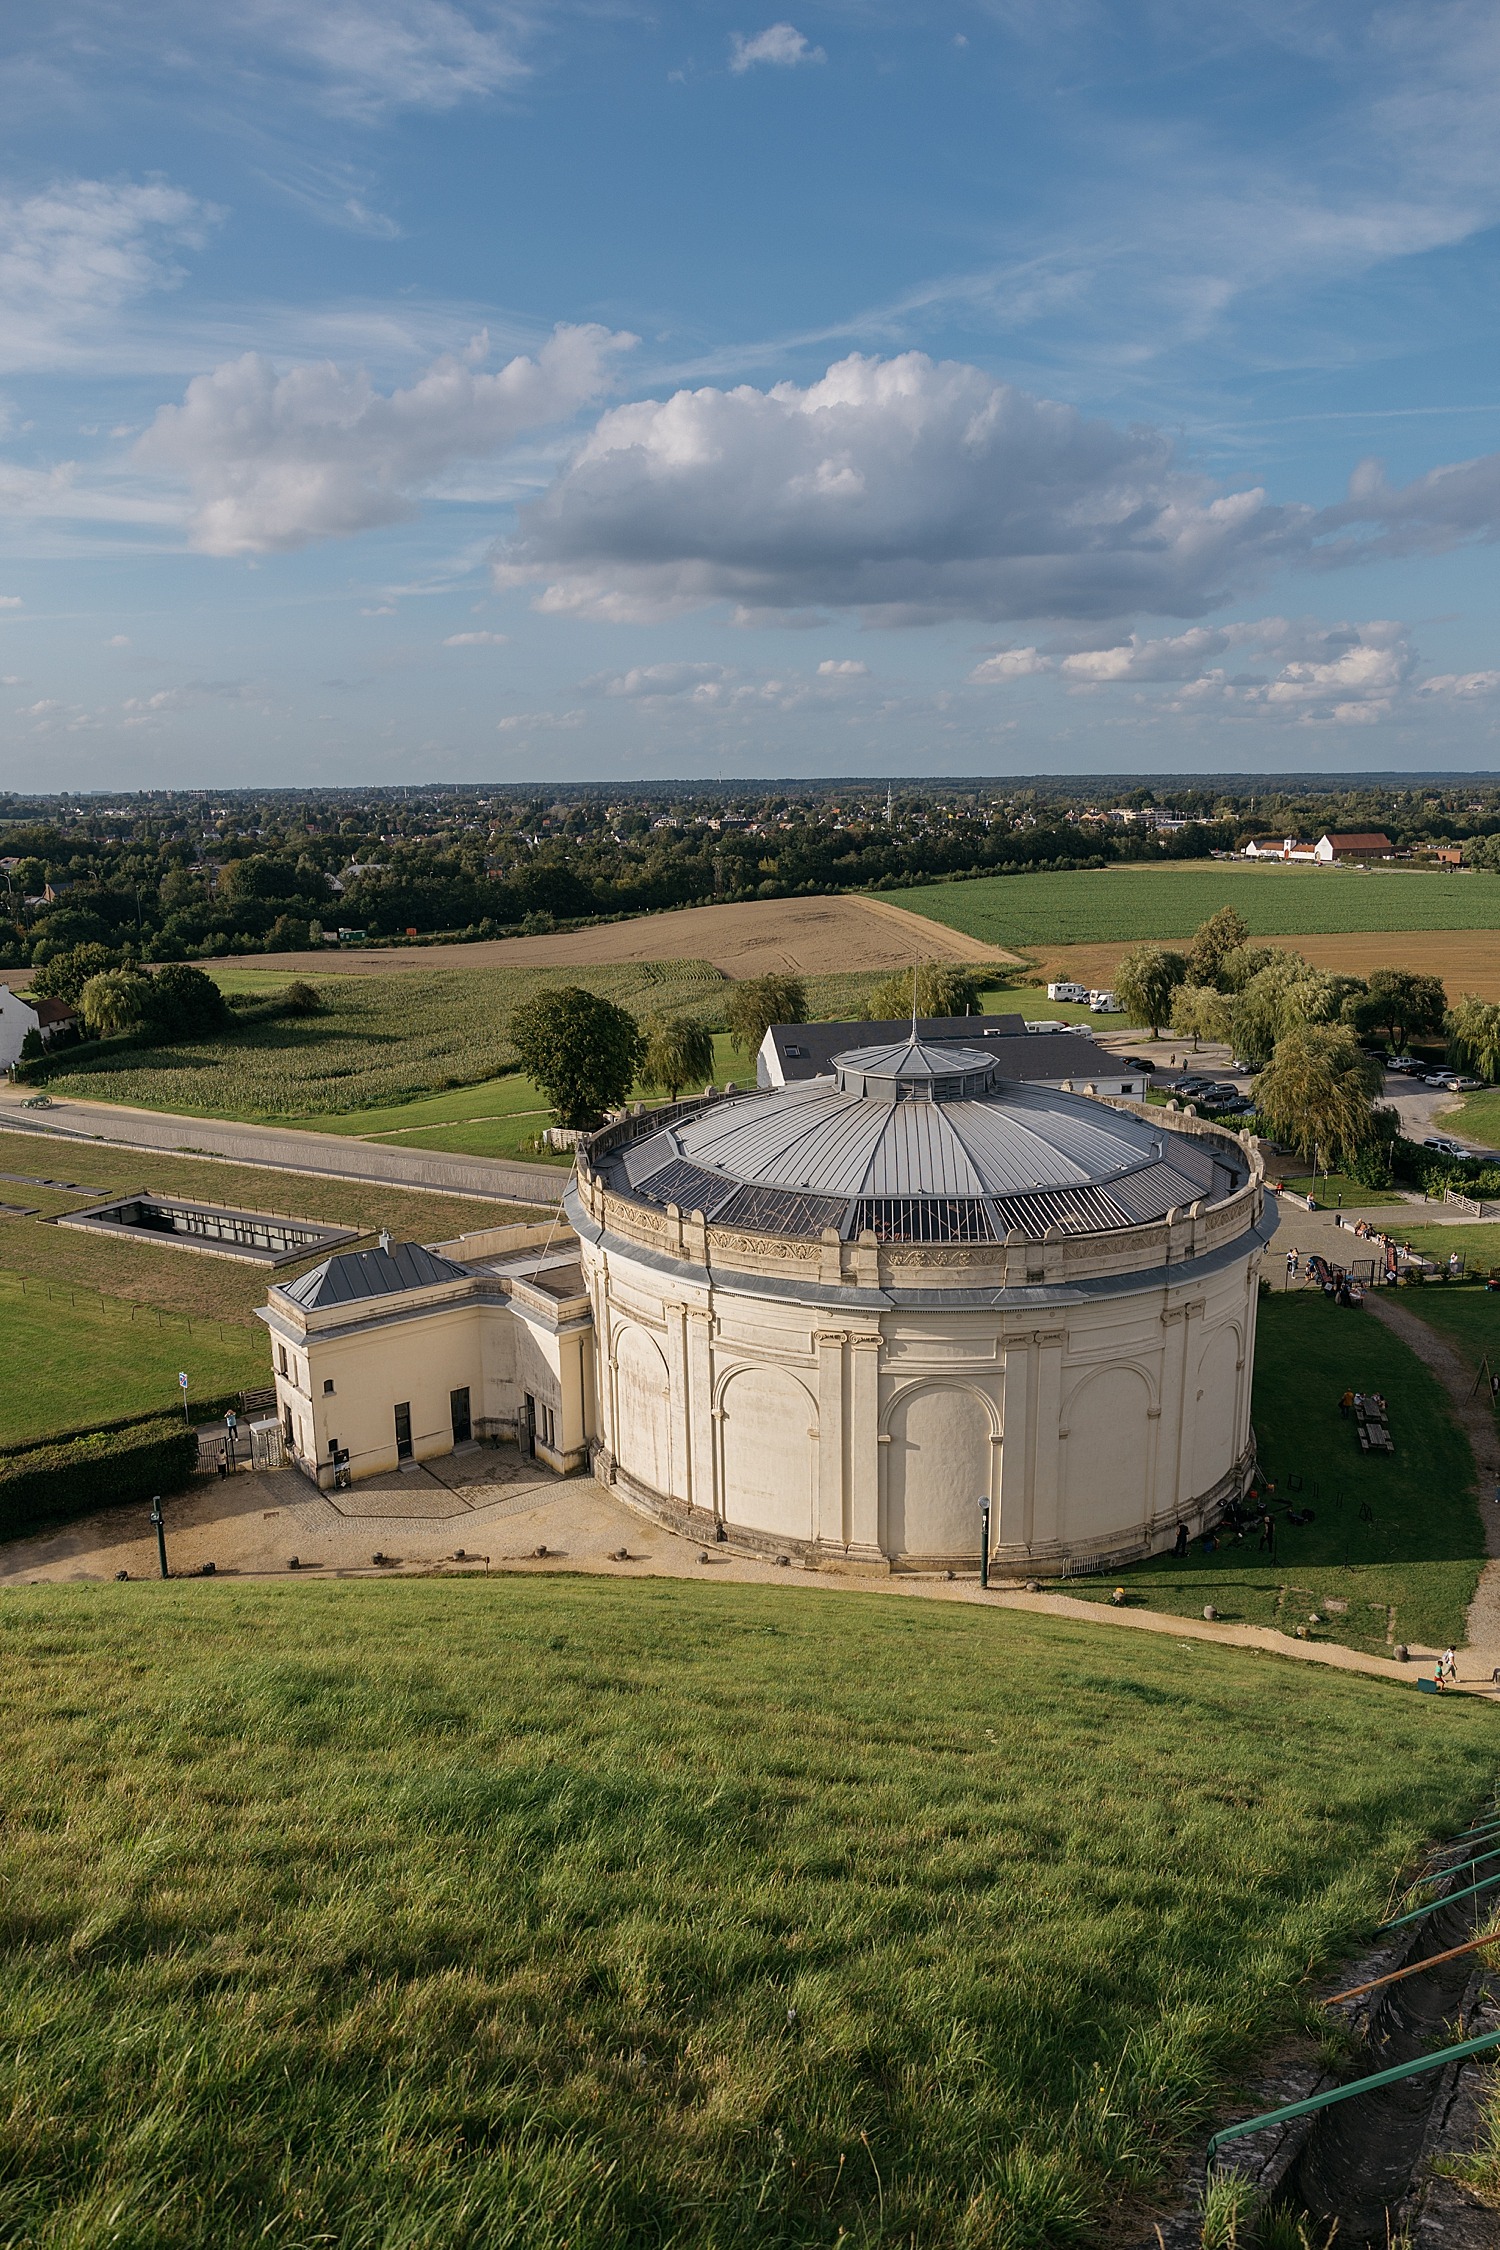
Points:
x=835, y=1317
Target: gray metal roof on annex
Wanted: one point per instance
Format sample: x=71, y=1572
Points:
x=356, y=1274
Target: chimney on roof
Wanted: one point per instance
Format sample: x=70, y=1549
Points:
x=385, y=1238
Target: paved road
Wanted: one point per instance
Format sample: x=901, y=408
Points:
x=331, y=1155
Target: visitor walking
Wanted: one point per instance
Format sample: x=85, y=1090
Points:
x=1346, y=1403
x=1291, y=1264
x=1267, y=1536
x=1180, y=1546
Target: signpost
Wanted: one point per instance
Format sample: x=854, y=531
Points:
x=182, y=1386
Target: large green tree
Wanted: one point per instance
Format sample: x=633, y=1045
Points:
x=1317, y=1093
x=678, y=1053
x=758, y=1002
x=1145, y=981
x=1212, y=943
x=942, y=989
x=581, y=1050
x=1403, y=1005
x=66, y=974
x=185, y=1002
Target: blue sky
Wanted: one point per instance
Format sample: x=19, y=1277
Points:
x=399, y=390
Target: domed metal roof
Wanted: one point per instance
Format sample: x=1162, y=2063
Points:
x=923, y=1144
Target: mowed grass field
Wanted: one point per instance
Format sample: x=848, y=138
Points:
x=1407, y=1570
x=72, y=1358
x=1127, y=903
x=66, y=1359
x=606, y=1917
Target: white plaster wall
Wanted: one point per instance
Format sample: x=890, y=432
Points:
x=1092, y=1426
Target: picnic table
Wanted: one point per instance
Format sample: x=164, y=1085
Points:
x=1371, y=1424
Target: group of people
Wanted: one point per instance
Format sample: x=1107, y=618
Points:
x=1365, y=1406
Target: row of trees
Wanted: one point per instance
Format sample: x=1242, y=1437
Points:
x=1302, y=1029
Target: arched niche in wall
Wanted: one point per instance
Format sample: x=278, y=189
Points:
x=1107, y=1453
x=939, y=1466
x=767, y=1425
x=643, y=1420
x=1216, y=1437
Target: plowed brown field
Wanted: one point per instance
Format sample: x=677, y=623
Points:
x=808, y=936
x=1466, y=960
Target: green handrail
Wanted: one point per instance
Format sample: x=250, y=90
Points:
x=1460, y=1867
x=1346, y=2093
x=1485, y=1883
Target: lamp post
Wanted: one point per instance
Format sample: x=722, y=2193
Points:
x=984, y=1551
x=161, y=1534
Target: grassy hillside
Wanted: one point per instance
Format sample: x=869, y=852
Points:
x=1407, y=1570
x=1096, y=905
x=574, y=1914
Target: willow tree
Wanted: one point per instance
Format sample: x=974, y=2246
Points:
x=1201, y=1011
x=1317, y=1093
x=678, y=1053
x=758, y=1002
x=1145, y=981
x=939, y=988
x=1474, y=1036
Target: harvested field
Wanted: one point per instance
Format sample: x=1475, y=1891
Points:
x=1466, y=960
x=809, y=936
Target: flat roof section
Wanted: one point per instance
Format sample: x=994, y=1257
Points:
x=255, y=1238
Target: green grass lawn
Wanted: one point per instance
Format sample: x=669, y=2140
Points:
x=177, y=1280
x=71, y=1358
x=1336, y=1190
x=1091, y=906
x=1477, y=1117
x=1409, y=1573
x=603, y=1917
x=1479, y=1244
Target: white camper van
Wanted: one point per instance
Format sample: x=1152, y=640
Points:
x=1077, y=993
x=1105, y=1004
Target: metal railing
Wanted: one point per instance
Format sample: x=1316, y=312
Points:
x=1332, y=2094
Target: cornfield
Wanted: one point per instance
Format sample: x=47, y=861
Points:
x=378, y=1041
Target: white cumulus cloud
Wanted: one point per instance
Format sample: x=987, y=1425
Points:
x=842, y=668
x=273, y=461
x=782, y=45
x=1010, y=664
x=1461, y=684
x=651, y=680
x=477, y=640
x=907, y=489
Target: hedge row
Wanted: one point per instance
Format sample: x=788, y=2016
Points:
x=55, y=1484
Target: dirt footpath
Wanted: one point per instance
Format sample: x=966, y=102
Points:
x=803, y=936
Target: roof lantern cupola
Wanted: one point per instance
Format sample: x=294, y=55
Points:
x=914, y=1072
